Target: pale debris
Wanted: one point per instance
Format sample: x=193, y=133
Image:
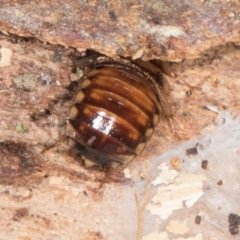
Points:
x=127, y=173
x=164, y=236
x=166, y=175
x=177, y=227
x=197, y=237
x=5, y=57
x=186, y=187
x=156, y=236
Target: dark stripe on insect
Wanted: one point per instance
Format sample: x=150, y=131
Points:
x=118, y=129
x=114, y=105
x=126, y=89
x=135, y=76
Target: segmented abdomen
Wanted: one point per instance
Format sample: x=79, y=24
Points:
x=114, y=114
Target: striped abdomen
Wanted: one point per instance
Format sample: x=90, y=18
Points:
x=114, y=114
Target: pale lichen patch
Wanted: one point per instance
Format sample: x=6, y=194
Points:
x=185, y=188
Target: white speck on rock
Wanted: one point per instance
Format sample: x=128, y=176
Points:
x=177, y=227
x=5, y=57
x=127, y=173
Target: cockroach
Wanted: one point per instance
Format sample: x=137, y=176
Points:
x=117, y=106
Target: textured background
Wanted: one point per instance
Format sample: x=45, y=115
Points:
x=51, y=196
x=171, y=30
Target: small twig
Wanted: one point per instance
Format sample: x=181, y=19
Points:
x=141, y=207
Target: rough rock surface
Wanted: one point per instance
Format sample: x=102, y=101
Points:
x=170, y=30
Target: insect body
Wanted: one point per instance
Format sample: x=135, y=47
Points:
x=115, y=111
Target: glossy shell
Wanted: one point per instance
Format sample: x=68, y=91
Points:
x=114, y=114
